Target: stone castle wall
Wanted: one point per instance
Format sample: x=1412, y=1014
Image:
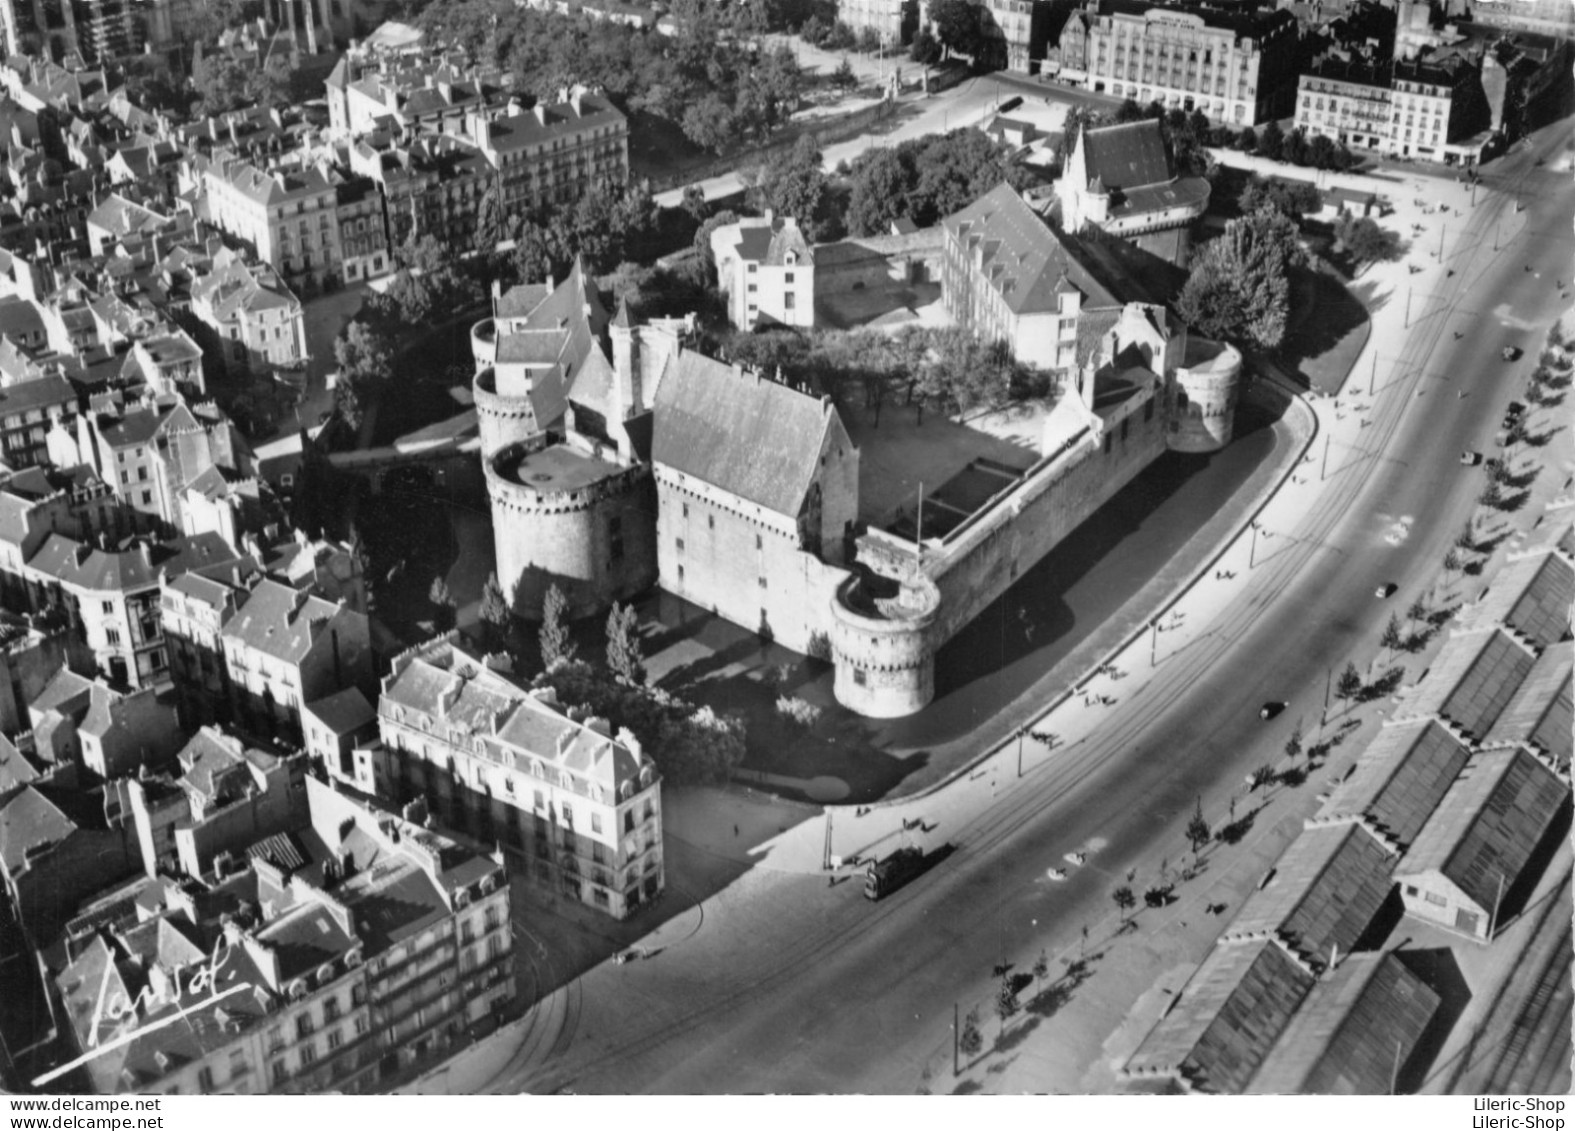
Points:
x=981, y=560
x=596, y=543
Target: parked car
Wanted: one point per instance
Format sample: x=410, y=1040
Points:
x=1511, y=353
x=1470, y=459
x=1270, y=709
x=1385, y=589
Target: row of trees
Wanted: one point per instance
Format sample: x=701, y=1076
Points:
x=947, y=369
x=707, y=76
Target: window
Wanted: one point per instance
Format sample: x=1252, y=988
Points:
x=859, y=678
x=596, y=822
x=788, y=300
x=205, y=1079
x=308, y=1053
x=334, y=1040
x=680, y=544
x=331, y=1009
x=147, y=498
x=787, y=276
x=761, y=581
x=362, y=1026
x=536, y=800
x=759, y=542
x=109, y=606
x=277, y=1072
x=112, y=637
x=238, y=1065
x=303, y=1025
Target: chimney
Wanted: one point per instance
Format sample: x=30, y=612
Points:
x=541, y=113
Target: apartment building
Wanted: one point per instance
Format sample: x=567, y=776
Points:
x=419, y=93
x=148, y=453
x=553, y=154
x=112, y=595
x=103, y=730
x=288, y=218
x=1419, y=108
x=345, y=954
x=1347, y=100
x=1237, y=67
x=28, y=410
x=582, y=805
x=284, y=647
x=254, y=322
x=893, y=20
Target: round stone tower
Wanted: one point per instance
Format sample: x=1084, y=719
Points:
x=503, y=417
x=1203, y=407
x=562, y=515
x=880, y=644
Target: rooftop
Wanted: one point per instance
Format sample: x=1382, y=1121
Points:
x=1471, y=681
x=1540, y=715
x=553, y=470
x=1400, y=778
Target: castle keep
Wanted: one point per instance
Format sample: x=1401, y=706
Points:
x=742, y=494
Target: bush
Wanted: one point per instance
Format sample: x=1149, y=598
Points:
x=819, y=647
x=798, y=711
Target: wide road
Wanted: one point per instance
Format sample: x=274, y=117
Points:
x=808, y=989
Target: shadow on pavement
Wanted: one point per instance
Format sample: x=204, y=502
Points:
x=1437, y=968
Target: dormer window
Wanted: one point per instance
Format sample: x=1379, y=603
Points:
x=791, y=258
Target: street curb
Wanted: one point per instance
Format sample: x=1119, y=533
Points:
x=1296, y=400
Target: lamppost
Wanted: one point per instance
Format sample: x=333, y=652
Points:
x=1022, y=733
x=1252, y=551
x=1153, y=643
x=1323, y=472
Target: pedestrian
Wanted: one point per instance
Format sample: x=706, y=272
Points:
x=735, y=830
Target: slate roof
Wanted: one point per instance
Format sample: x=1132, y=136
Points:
x=770, y=241
x=342, y=712
x=517, y=131
x=30, y=819
x=1471, y=681
x=740, y=432
x=1127, y=156
x=1400, y=778
x=19, y=318
x=1344, y=1039
x=1532, y=596
x=83, y=567
x=45, y=392
x=276, y=620
x=1325, y=891
x=1487, y=824
x=518, y=729
x=1226, y=1018
x=1024, y=260
x=1540, y=714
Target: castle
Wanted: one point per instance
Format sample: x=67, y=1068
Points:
x=616, y=457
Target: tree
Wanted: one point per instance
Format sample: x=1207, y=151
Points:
x=365, y=358
x=843, y=76
x=1295, y=148
x=1006, y=1006
x=1416, y=613
x=1392, y=638
x=1041, y=968
x=1349, y=685
x=1198, y=831
x=869, y=40
x=1452, y=562
x=623, y=644
x=1271, y=142
x=1129, y=111
x=494, y=612
x=1366, y=241
x=556, y=643
x=699, y=748
x=1294, y=199
x=1247, y=140
x=957, y=24
x=879, y=195
x=794, y=184
x=1293, y=744
x=925, y=48
x=442, y=602
x=1124, y=901
x=970, y=1040
x=1238, y=289
x=225, y=82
